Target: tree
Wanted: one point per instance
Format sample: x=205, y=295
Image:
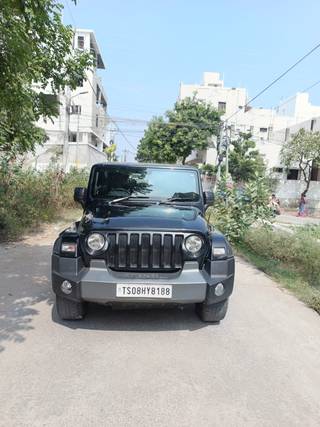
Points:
x=208, y=169
x=155, y=146
x=189, y=126
x=245, y=161
x=110, y=151
x=35, y=47
x=303, y=149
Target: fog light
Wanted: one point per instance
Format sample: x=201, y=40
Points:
x=66, y=287
x=219, y=290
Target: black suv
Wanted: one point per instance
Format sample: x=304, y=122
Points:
x=142, y=239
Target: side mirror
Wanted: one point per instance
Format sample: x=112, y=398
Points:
x=208, y=197
x=80, y=195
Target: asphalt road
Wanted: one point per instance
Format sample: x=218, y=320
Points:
x=260, y=367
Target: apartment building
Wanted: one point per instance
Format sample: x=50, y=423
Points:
x=262, y=123
x=77, y=137
x=270, y=128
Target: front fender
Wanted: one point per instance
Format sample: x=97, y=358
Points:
x=219, y=269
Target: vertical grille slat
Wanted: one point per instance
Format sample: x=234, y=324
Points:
x=139, y=251
x=134, y=250
x=111, y=252
x=156, y=251
x=145, y=250
x=167, y=251
x=122, y=250
x=177, y=251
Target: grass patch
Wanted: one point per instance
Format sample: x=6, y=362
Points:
x=308, y=232
x=287, y=274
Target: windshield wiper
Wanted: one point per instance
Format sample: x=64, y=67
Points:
x=180, y=199
x=122, y=199
x=171, y=200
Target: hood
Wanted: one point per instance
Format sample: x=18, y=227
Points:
x=143, y=217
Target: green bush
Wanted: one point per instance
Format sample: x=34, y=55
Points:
x=236, y=209
x=28, y=197
x=295, y=250
x=75, y=178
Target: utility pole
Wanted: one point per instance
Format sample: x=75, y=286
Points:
x=65, y=152
x=227, y=143
x=78, y=137
x=219, y=142
x=68, y=112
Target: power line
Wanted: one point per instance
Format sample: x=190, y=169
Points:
x=123, y=135
x=276, y=79
x=70, y=13
x=303, y=90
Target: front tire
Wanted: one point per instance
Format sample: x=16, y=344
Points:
x=69, y=310
x=212, y=312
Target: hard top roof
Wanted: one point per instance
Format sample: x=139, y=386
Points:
x=142, y=165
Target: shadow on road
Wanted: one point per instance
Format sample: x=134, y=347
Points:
x=104, y=318
x=24, y=282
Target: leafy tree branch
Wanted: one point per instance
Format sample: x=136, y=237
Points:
x=36, y=54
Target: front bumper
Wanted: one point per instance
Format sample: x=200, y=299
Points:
x=98, y=283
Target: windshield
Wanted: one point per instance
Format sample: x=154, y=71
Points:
x=147, y=182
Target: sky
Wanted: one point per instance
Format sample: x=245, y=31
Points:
x=149, y=47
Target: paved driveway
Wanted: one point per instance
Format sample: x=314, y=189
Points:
x=260, y=367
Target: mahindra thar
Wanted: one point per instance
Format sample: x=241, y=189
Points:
x=142, y=239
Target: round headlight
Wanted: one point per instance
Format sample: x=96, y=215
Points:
x=193, y=244
x=96, y=242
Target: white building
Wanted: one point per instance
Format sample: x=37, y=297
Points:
x=260, y=122
x=77, y=137
x=270, y=128
x=291, y=183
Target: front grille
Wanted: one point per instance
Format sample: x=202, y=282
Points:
x=144, y=251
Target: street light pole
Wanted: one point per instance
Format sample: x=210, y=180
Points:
x=78, y=137
x=65, y=152
x=66, y=138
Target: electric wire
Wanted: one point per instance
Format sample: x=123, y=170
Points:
x=276, y=80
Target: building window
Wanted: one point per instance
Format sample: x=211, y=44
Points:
x=76, y=109
x=80, y=42
x=315, y=174
x=97, y=121
x=313, y=121
x=277, y=170
x=293, y=174
x=222, y=107
x=98, y=92
x=287, y=134
x=73, y=137
x=263, y=134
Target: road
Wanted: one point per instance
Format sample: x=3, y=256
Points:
x=260, y=367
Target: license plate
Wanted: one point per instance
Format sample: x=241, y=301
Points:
x=143, y=291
